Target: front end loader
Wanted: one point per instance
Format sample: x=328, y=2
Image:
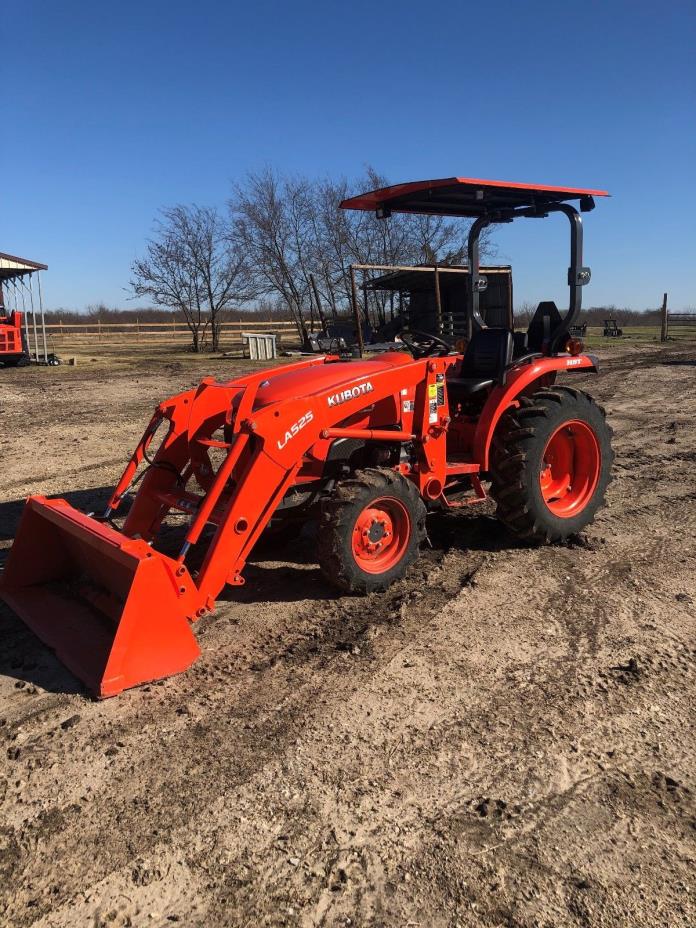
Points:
x=370, y=446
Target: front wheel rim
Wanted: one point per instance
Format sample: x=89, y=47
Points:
x=381, y=535
x=570, y=468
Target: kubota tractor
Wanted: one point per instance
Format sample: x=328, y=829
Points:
x=372, y=444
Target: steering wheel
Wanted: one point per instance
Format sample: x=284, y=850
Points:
x=424, y=345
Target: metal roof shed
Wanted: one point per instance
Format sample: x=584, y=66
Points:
x=16, y=287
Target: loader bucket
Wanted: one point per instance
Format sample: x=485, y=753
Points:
x=111, y=608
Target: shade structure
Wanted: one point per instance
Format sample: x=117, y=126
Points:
x=465, y=196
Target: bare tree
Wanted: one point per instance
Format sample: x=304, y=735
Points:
x=195, y=264
x=524, y=312
x=268, y=217
x=301, y=244
x=345, y=237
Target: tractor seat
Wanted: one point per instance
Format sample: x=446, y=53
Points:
x=487, y=356
x=543, y=324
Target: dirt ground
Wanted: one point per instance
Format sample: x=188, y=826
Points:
x=505, y=738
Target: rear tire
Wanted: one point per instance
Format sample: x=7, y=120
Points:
x=551, y=464
x=370, y=530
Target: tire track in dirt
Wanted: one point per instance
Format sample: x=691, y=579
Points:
x=111, y=807
x=381, y=748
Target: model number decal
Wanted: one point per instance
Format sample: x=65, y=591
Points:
x=295, y=429
x=351, y=394
x=571, y=362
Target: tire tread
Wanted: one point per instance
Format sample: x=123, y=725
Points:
x=517, y=436
x=338, y=518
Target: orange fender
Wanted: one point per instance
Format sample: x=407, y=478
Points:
x=502, y=397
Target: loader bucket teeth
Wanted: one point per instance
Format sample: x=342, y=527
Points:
x=113, y=610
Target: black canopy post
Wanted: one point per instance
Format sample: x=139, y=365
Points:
x=475, y=281
x=578, y=274
x=438, y=301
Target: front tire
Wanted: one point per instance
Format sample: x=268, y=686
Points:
x=370, y=530
x=551, y=464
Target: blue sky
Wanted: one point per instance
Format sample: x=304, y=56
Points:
x=113, y=110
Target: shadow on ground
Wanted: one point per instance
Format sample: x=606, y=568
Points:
x=92, y=500
x=281, y=571
x=24, y=658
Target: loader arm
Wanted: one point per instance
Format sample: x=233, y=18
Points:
x=265, y=447
x=273, y=443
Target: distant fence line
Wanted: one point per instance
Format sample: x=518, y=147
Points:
x=679, y=321
x=173, y=324
x=176, y=330
x=678, y=325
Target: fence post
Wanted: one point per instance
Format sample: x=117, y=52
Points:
x=665, y=329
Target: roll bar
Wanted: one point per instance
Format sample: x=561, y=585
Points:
x=578, y=274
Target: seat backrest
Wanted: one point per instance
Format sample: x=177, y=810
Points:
x=543, y=324
x=488, y=353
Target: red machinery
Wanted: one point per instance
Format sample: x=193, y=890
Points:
x=372, y=445
x=14, y=333
x=12, y=350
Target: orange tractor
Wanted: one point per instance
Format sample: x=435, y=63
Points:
x=370, y=445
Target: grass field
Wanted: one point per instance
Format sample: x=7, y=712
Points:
x=638, y=335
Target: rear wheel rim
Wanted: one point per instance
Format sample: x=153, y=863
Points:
x=570, y=468
x=381, y=535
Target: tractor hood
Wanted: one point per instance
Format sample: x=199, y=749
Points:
x=331, y=375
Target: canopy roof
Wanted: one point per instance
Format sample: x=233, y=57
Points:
x=12, y=267
x=464, y=196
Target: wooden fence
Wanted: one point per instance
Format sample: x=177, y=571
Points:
x=680, y=325
x=133, y=334
x=676, y=325
x=91, y=335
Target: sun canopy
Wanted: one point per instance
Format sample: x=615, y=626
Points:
x=464, y=196
x=12, y=267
